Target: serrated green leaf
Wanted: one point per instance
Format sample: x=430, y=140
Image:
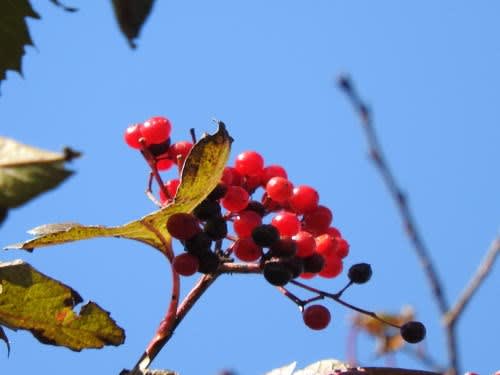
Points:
x=131, y=15
x=26, y=171
x=14, y=34
x=200, y=174
x=32, y=301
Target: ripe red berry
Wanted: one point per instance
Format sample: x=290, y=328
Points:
x=287, y=223
x=318, y=220
x=132, y=136
x=164, y=164
x=332, y=268
x=249, y=163
x=316, y=317
x=156, y=130
x=245, y=223
x=186, y=264
x=171, y=186
x=304, y=198
x=342, y=249
x=251, y=183
x=179, y=151
x=183, y=226
x=307, y=275
x=334, y=232
x=235, y=199
x=230, y=176
x=246, y=250
x=279, y=189
x=326, y=245
x=306, y=244
x=271, y=171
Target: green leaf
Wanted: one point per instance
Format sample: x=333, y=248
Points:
x=32, y=301
x=26, y=172
x=201, y=173
x=14, y=34
x=131, y=15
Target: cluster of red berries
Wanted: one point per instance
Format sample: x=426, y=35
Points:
x=281, y=227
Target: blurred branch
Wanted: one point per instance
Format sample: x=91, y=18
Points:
x=377, y=156
x=451, y=318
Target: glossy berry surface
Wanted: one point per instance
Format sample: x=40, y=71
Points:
x=287, y=223
x=306, y=244
x=186, y=264
x=279, y=189
x=235, y=199
x=318, y=220
x=246, y=222
x=179, y=151
x=246, y=250
x=316, y=317
x=156, y=130
x=304, y=198
x=183, y=226
x=332, y=268
x=132, y=136
x=265, y=235
x=249, y=163
x=360, y=273
x=271, y=171
x=413, y=332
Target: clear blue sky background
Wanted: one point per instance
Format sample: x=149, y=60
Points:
x=429, y=70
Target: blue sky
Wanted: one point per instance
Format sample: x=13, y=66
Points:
x=429, y=70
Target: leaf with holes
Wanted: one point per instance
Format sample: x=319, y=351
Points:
x=201, y=173
x=32, y=301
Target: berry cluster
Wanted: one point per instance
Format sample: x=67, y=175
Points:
x=257, y=215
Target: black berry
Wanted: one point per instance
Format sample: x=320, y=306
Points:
x=216, y=228
x=207, y=209
x=413, y=332
x=265, y=235
x=314, y=263
x=360, y=273
x=277, y=273
x=209, y=262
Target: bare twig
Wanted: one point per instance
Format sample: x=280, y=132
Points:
x=451, y=318
x=376, y=154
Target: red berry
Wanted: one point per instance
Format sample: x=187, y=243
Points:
x=171, y=186
x=332, y=268
x=156, y=130
x=316, y=317
x=132, y=136
x=271, y=171
x=326, y=245
x=186, y=264
x=252, y=182
x=164, y=164
x=342, y=249
x=304, y=198
x=334, y=232
x=279, y=189
x=318, y=220
x=236, y=199
x=287, y=223
x=306, y=244
x=246, y=250
x=245, y=223
x=230, y=176
x=249, y=163
x=307, y=275
x=179, y=151
x=183, y=226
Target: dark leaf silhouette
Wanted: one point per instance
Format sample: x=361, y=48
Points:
x=131, y=15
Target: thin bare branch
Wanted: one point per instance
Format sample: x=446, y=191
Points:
x=451, y=318
x=378, y=158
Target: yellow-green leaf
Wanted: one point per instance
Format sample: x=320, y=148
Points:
x=33, y=301
x=26, y=171
x=200, y=174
